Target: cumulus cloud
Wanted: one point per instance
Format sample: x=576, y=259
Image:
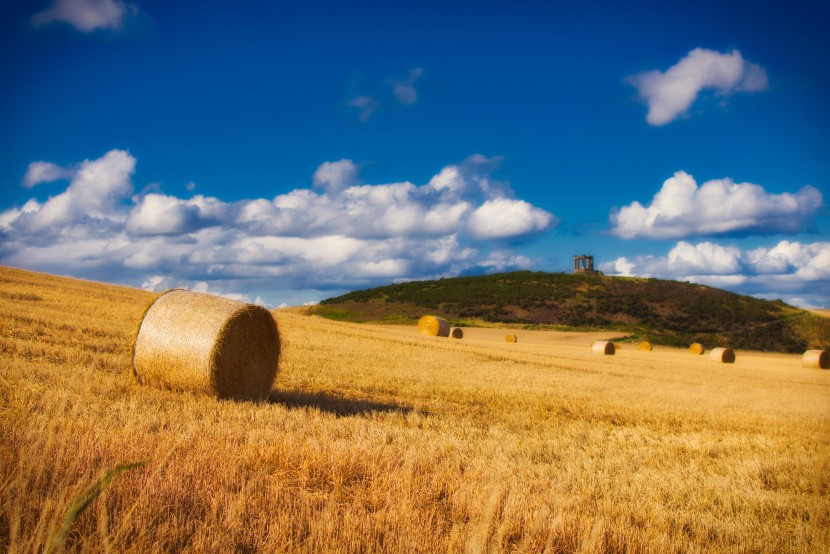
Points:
x=335, y=176
x=716, y=208
x=45, y=172
x=505, y=218
x=669, y=94
x=335, y=234
x=789, y=269
x=86, y=15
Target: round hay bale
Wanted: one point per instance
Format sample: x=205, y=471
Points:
x=816, y=359
x=193, y=341
x=457, y=333
x=433, y=326
x=511, y=338
x=696, y=349
x=722, y=355
x=645, y=346
x=603, y=347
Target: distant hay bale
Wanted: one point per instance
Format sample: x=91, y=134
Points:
x=645, y=346
x=603, y=347
x=816, y=359
x=696, y=348
x=192, y=341
x=433, y=326
x=457, y=333
x=511, y=338
x=617, y=346
x=722, y=355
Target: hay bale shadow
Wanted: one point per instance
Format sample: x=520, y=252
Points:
x=334, y=404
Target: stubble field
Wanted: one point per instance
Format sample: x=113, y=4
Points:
x=376, y=439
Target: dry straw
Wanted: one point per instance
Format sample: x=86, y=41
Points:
x=457, y=333
x=816, y=359
x=603, y=347
x=722, y=355
x=433, y=326
x=511, y=338
x=192, y=341
x=696, y=348
x=645, y=346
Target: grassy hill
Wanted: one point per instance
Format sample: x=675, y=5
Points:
x=377, y=439
x=664, y=312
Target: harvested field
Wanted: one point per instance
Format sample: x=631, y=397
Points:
x=376, y=438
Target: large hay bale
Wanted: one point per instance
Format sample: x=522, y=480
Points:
x=816, y=359
x=433, y=326
x=696, y=349
x=722, y=355
x=511, y=338
x=645, y=346
x=457, y=333
x=193, y=341
x=603, y=347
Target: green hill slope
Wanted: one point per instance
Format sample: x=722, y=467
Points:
x=664, y=312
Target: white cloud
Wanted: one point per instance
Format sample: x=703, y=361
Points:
x=502, y=218
x=45, y=172
x=97, y=191
x=157, y=214
x=669, y=94
x=337, y=235
x=794, y=270
x=87, y=15
x=718, y=207
x=404, y=89
x=335, y=176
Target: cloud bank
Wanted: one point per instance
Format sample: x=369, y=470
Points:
x=719, y=207
x=86, y=15
x=796, y=271
x=337, y=234
x=669, y=94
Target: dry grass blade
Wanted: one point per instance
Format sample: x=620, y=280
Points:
x=83, y=501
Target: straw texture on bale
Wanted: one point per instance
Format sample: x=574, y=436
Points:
x=816, y=359
x=193, y=341
x=645, y=345
x=511, y=338
x=723, y=355
x=603, y=347
x=696, y=348
x=457, y=333
x=433, y=326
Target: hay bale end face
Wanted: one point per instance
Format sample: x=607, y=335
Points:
x=457, y=333
x=603, y=347
x=511, y=338
x=193, y=341
x=696, y=349
x=816, y=359
x=722, y=355
x=433, y=326
x=644, y=346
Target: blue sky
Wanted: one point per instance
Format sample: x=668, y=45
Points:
x=288, y=153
